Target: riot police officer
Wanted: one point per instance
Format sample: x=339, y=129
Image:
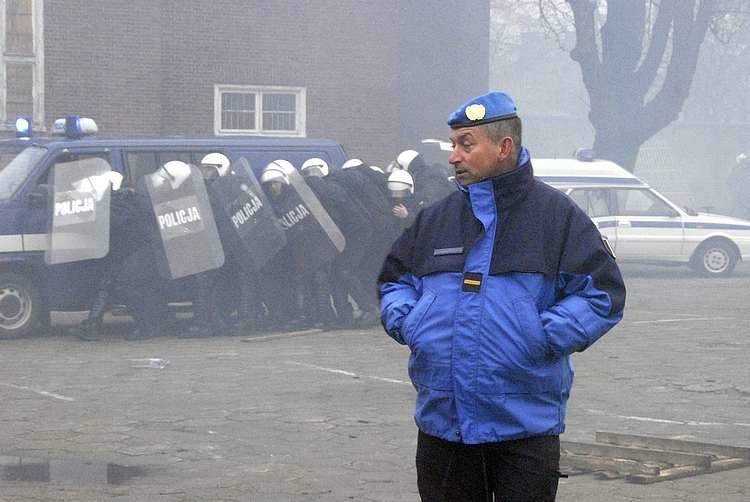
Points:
x=405, y=205
x=314, y=238
x=431, y=182
x=369, y=192
x=279, y=282
x=351, y=219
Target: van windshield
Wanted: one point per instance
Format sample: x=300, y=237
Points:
x=16, y=162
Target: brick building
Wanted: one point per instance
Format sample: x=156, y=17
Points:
x=376, y=76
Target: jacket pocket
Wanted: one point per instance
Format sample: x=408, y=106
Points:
x=532, y=332
x=416, y=315
x=513, y=354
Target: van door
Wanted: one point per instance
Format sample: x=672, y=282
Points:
x=648, y=229
x=599, y=205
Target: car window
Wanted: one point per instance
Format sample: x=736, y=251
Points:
x=594, y=201
x=85, y=162
x=15, y=165
x=143, y=163
x=641, y=203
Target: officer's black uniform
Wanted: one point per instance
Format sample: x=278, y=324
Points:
x=370, y=195
x=431, y=182
x=342, y=279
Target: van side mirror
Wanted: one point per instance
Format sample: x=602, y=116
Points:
x=39, y=196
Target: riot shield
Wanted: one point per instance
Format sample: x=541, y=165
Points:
x=249, y=219
x=80, y=210
x=308, y=226
x=184, y=219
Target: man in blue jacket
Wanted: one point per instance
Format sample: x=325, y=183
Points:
x=493, y=289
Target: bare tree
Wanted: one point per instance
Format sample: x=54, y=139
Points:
x=637, y=59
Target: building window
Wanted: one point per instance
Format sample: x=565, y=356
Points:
x=262, y=111
x=21, y=62
x=19, y=86
x=19, y=32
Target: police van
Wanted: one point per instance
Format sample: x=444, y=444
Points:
x=27, y=166
x=643, y=225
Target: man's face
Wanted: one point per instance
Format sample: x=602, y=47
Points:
x=475, y=157
x=275, y=187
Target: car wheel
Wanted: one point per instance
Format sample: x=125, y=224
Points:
x=20, y=305
x=715, y=259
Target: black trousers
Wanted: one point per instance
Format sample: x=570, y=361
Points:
x=522, y=470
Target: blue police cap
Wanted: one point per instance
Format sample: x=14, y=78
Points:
x=483, y=109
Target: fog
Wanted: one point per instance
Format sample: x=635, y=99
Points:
x=690, y=159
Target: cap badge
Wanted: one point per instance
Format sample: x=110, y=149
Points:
x=475, y=112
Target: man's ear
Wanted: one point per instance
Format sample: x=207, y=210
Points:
x=506, y=148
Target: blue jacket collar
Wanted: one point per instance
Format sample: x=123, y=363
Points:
x=508, y=188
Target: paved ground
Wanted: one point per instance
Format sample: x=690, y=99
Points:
x=327, y=416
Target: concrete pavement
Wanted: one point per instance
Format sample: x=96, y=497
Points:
x=327, y=415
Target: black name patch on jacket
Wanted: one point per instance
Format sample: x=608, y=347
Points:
x=472, y=282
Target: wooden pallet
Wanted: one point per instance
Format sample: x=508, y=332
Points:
x=646, y=459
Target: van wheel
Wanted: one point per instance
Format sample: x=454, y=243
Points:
x=715, y=258
x=20, y=305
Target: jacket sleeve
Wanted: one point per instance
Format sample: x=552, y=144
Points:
x=398, y=287
x=590, y=290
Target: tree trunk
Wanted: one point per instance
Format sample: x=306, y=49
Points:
x=620, y=147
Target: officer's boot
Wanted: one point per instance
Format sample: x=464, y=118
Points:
x=340, y=296
x=246, y=313
x=203, y=318
x=90, y=328
x=325, y=315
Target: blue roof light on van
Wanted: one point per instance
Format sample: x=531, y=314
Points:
x=23, y=128
x=74, y=126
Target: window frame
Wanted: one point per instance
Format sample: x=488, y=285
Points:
x=300, y=115
x=587, y=192
x=650, y=195
x=35, y=60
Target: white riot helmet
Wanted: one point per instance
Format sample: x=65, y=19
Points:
x=174, y=171
x=352, y=163
x=98, y=185
x=377, y=169
x=315, y=167
x=392, y=166
x=741, y=158
x=405, y=158
x=217, y=160
x=277, y=170
x=400, y=184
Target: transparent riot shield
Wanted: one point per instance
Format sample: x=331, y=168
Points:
x=248, y=216
x=184, y=220
x=308, y=225
x=80, y=210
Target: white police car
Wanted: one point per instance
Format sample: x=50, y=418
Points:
x=644, y=226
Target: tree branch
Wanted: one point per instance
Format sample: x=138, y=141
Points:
x=586, y=50
x=622, y=36
x=646, y=73
x=688, y=35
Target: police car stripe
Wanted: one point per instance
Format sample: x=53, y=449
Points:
x=721, y=226
x=691, y=224
x=655, y=224
x=592, y=180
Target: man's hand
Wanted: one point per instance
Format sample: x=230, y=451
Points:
x=400, y=211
